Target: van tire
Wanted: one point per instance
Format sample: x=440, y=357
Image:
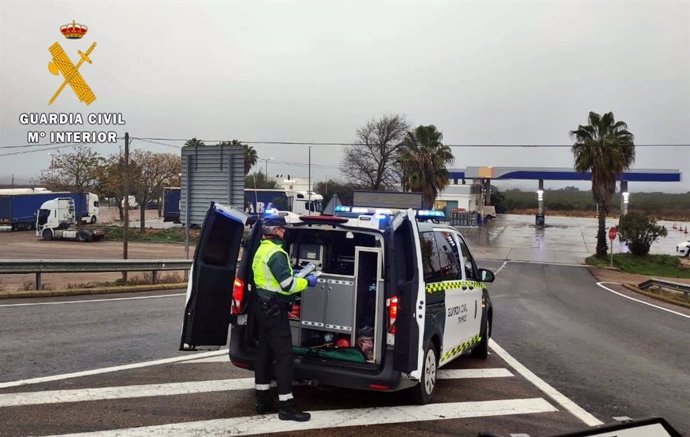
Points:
x=421, y=393
x=481, y=350
x=47, y=234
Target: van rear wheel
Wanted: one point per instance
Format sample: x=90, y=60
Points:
x=421, y=394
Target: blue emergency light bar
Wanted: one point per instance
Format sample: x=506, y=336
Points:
x=355, y=211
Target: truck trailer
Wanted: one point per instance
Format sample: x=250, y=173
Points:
x=19, y=210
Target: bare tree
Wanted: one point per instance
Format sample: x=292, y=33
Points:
x=110, y=181
x=373, y=162
x=74, y=171
x=153, y=172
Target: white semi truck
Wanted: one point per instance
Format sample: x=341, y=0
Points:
x=56, y=220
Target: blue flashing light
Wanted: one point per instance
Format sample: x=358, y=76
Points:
x=342, y=208
x=430, y=213
x=270, y=211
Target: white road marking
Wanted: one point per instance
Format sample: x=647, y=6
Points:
x=181, y=388
x=505, y=263
x=324, y=419
x=473, y=373
x=123, y=392
x=515, y=261
x=111, y=369
x=640, y=301
x=218, y=359
x=554, y=394
x=90, y=300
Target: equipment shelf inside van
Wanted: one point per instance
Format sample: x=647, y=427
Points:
x=397, y=297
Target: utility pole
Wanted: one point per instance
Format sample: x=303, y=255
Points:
x=309, y=187
x=125, y=229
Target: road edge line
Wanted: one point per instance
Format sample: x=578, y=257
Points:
x=545, y=387
x=600, y=284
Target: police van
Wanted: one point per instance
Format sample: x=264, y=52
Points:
x=398, y=296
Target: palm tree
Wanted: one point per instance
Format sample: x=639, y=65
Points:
x=606, y=148
x=194, y=142
x=250, y=156
x=423, y=160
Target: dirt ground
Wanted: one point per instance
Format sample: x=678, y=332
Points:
x=25, y=245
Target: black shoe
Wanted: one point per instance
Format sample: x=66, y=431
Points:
x=264, y=402
x=288, y=411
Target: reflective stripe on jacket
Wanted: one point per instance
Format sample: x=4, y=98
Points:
x=272, y=270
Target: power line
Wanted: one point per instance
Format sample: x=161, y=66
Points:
x=327, y=143
x=54, y=147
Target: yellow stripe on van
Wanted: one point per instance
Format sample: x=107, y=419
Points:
x=457, y=350
x=435, y=287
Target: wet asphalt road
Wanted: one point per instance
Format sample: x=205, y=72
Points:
x=612, y=356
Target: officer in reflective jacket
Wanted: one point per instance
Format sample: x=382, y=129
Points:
x=276, y=288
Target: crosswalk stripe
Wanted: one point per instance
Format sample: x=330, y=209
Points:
x=111, y=369
x=252, y=425
x=180, y=388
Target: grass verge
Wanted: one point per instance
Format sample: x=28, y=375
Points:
x=666, y=266
x=170, y=235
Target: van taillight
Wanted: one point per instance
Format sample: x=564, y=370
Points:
x=392, y=304
x=237, y=296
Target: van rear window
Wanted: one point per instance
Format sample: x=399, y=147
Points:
x=219, y=243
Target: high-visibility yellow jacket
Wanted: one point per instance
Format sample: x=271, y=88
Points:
x=273, y=272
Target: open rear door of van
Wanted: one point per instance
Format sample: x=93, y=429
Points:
x=406, y=270
x=209, y=292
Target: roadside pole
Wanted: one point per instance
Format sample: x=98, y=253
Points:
x=125, y=229
x=613, y=231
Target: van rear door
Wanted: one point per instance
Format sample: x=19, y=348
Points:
x=405, y=272
x=209, y=293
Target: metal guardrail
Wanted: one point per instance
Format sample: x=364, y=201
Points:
x=662, y=283
x=39, y=266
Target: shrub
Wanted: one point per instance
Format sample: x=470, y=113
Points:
x=639, y=232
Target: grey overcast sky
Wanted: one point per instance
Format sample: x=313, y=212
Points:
x=484, y=72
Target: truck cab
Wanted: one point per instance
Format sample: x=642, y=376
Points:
x=397, y=297
x=56, y=219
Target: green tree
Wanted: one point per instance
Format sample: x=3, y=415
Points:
x=640, y=231
x=343, y=189
x=260, y=181
x=606, y=148
x=423, y=160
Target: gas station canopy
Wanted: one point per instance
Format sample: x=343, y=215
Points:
x=560, y=174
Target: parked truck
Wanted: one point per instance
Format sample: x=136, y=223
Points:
x=171, y=204
x=56, y=220
x=19, y=210
x=256, y=202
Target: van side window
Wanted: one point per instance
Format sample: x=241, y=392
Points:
x=430, y=259
x=471, y=273
x=450, y=268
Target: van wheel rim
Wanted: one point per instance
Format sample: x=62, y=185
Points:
x=430, y=372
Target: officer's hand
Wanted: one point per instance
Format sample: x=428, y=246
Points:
x=312, y=280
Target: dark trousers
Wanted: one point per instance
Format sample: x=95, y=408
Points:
x=275, y=345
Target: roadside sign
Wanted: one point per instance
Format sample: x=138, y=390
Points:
x=613, y=231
